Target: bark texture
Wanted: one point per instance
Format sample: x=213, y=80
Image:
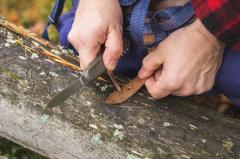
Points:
x=85, y=127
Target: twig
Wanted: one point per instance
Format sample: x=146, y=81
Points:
x=59, y=59
x=22, y=31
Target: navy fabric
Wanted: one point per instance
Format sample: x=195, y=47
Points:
x=137, y=20
x=228, y=77
x=127, y=2
x=53, y=17
x=144, y=22
x=64, y=25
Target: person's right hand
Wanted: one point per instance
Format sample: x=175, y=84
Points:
x=96, y=23
x=185, y=63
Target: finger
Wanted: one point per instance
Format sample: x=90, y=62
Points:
x=151, y=63
x=113, y=49
x=158, y=73
x=156, y=86
x=88, y=53
x=204, y=85
x=87, y=43
x=184, y=91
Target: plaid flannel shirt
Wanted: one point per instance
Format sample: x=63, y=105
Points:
x=222, y=18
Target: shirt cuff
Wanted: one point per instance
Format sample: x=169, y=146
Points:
x=221, y=18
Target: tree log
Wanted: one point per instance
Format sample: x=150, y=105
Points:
x=85, y=127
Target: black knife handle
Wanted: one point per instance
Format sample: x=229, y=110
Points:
x=95, y=68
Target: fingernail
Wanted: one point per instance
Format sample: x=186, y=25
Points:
x=112, y=64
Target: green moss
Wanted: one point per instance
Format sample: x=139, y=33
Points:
x=130, y=156
x=118, y=134
x=10, y=74
x=19, y=41
x=96, y=139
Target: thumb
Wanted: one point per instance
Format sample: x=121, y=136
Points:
x=155, y=85
x=113, y=49
x=151, y=63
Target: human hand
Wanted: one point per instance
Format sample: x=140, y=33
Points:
x=96, y=23
x=184, y=64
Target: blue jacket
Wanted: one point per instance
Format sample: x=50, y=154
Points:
x=228, y=77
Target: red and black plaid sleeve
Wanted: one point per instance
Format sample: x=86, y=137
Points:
x=222, y=18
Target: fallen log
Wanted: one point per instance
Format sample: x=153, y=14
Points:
x=85, y=127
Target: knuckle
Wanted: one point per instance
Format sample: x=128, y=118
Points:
x=206, y=90
x=154, y=94
x=83, y=39
x=146, y=62
x=78, y=39
x=117, y=48
x=186, y=92
x=173, y=83
x=209, y=87
x=199, y=92
x=202, y=90
x=71, y=37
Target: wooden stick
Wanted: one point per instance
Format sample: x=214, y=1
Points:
x=22, y=31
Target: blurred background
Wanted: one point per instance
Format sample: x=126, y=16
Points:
x=32, y=14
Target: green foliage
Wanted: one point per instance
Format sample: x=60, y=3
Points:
x=10, y=150
x=31, y=14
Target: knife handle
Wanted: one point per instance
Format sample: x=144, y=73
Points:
x=95, y=68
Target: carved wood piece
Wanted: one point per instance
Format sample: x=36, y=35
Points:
x=128, y=90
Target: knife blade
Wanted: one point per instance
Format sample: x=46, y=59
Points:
x=94, y=69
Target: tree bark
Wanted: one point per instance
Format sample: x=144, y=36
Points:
x=85, y=127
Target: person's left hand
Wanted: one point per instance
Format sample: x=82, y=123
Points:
x=184, y=64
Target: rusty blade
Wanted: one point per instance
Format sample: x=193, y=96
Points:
x=127, y=92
